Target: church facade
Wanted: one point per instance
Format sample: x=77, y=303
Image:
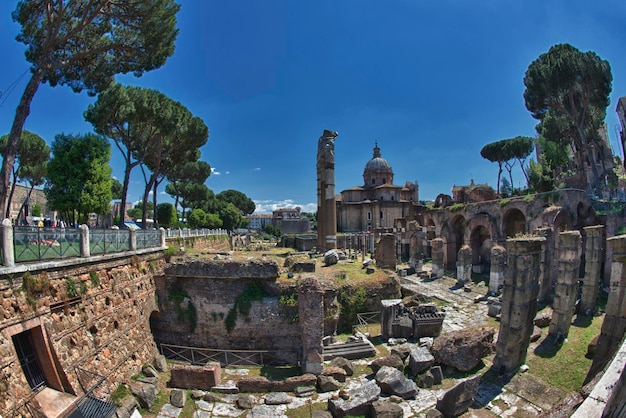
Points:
x=378, y=202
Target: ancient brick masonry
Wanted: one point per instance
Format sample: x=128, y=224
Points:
x=594, y=246
x=311, y=313
x=103, y=328
x=614, y=325
x=498, y=264
x=566, y=290
x=464, y=265
x=437, y=254
x=519, y=302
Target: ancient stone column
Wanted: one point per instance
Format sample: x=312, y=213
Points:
x=385, y=253
x=311, y=317
x=437, y=245
x=614, y=325
x=548, y=265
x=464, y=266
x=387, y=314
x=594, y=248
x=519, y=301
x=326, y=207
x=498, y=264
x=566, y=290
x=6, y=244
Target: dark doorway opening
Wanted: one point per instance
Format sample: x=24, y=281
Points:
x=26, y=353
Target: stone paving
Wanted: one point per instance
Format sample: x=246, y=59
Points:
x=511, y=396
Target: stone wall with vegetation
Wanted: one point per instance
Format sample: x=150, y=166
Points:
x=227, y=305
x=90, y=316
x=248, y=305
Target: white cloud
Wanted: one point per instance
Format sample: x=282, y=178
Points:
x=214, y=172
x=268, y=206
x=257, y=169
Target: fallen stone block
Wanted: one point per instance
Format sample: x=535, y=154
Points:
x=391, y=361
x=393, y=382
x=327, y=383
x=420, y=359
x=337, y=373
x=344, y=363
x=178, y=398
x=464, y=349
x=277, y=398
x=386, y=409
x=195, y=377
x=458, y=399
x=358, y=403
x=146, y=393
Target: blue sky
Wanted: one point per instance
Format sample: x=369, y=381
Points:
x=431, y=81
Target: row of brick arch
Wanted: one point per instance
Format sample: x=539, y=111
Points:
x=494, y=224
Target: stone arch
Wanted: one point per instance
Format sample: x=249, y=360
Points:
x=453, y=239
x=513, y=223
x=480, y=242
x=482, y=229
x=585, y=215
x=562, y=221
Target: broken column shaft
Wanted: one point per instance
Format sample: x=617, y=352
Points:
x=566, y=290
x=437, y=253
x=594, y=247
x=614, y=324
x=519, y=301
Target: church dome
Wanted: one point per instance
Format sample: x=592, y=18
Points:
x=377, y=170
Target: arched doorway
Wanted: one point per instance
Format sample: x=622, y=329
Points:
x=513, y=223
x=480, y=241
x=454, y=241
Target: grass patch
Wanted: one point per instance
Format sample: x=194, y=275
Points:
x=570, y=356
x=120, y=393
x=306, y=411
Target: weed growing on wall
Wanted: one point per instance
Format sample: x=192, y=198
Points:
x=186, y=313
x=352, y=301
x=70, y=287
x=95, y=280
x=242, y=305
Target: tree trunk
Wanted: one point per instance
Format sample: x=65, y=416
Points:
x=21, y=113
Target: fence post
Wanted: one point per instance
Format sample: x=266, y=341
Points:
x=85, y=251
x=163, y=244
x=132, y=236
x=7, y=243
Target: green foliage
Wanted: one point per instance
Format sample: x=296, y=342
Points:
x=166, y=215
x=94, y=278
x=239, y=199
x=116, y=189
x=83, y=45
x=621, y=230
x=568, y=92
x=457, y=207
x=272, y=230
x=36, y=286
x=121, y=392
x=352, y=300
x=504, y=202
x=79, y=175
x=184, y=314
x=197, y=219
x=253, y=293
x=36, y=211
x=31, y=161
x=70, y=287
x=137, y=211
x=541, y=178
x=288, y=300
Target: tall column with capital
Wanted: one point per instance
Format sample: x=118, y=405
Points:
x=326, y=206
